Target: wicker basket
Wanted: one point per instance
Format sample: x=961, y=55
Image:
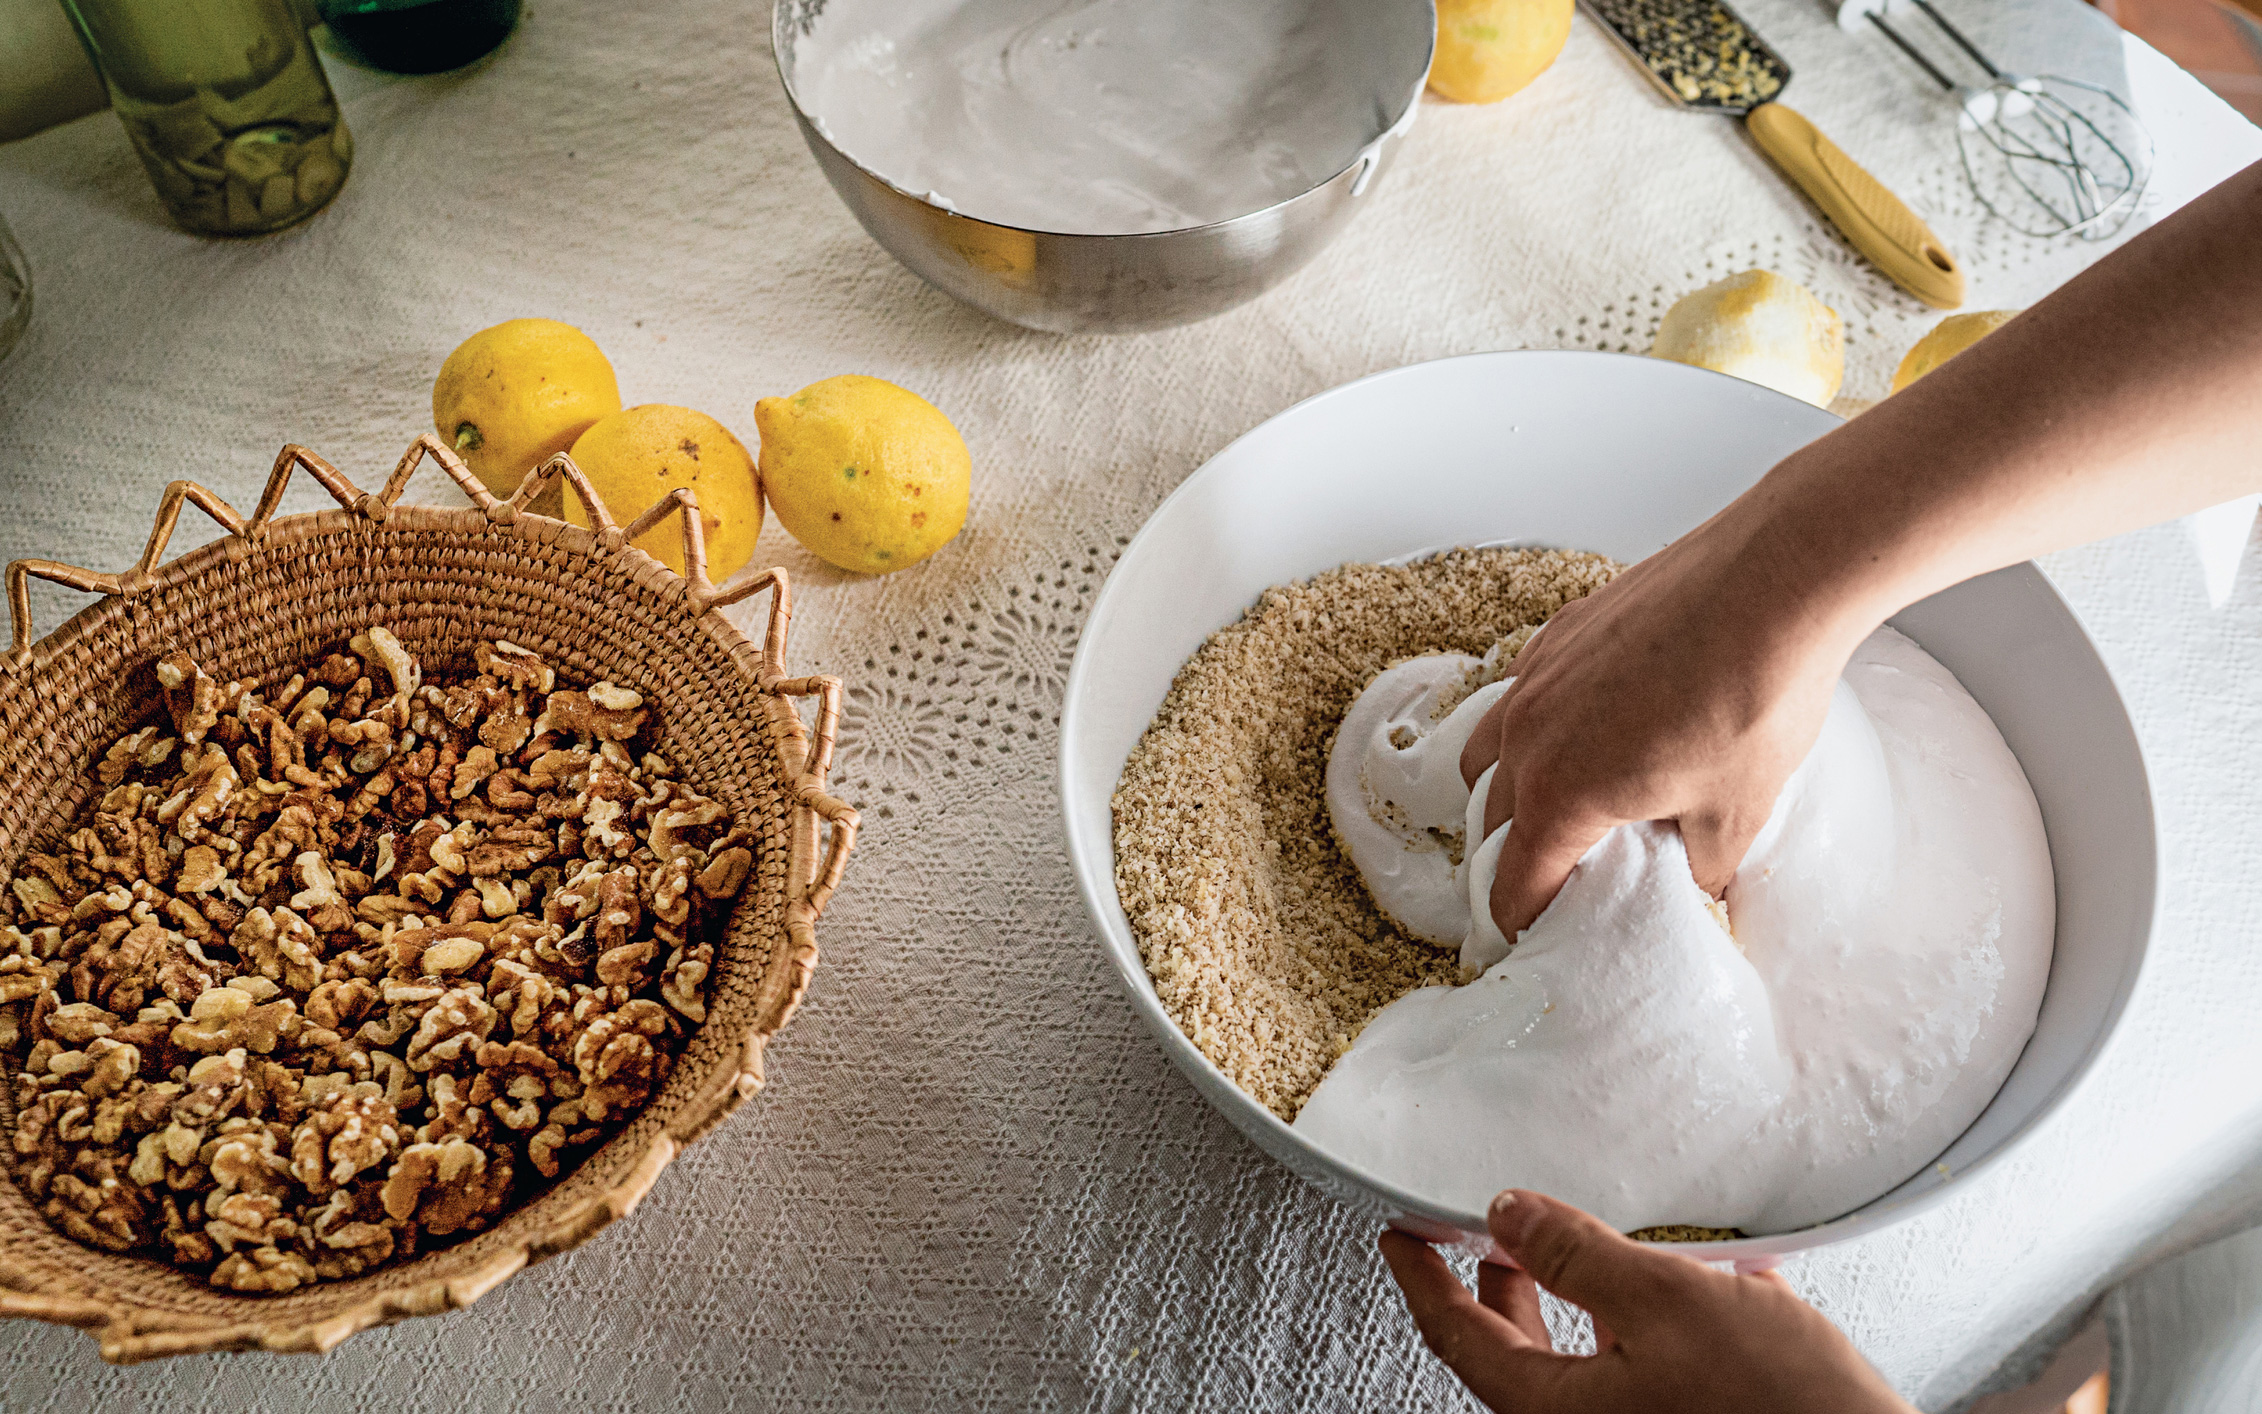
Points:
x=273, y=595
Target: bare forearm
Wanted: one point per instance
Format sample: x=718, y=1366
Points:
x=1690, y=687
x=2132, y=395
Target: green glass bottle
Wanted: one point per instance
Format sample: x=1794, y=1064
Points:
x=226, y=104
x=418, y=36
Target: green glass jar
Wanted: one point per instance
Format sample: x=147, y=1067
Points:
x=418, y=36
x=226, y=104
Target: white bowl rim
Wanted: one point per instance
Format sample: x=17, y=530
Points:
x=1096, y=885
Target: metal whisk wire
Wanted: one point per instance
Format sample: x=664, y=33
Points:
x=2074, y=177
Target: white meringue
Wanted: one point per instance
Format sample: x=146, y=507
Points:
x=1893, y=931
x=1395, y=795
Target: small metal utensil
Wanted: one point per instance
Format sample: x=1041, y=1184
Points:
x=1703, y=56
x=2040, y=151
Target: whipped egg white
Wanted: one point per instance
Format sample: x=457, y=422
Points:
x=1097, y=117
x=1893, y=925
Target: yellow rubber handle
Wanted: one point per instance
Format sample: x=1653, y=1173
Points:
x=1879, y=224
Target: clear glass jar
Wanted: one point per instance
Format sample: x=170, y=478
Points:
x=225, y=103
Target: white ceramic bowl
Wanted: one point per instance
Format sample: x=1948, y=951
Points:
x=1620, y=455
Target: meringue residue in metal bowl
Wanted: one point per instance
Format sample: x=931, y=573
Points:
x=1103, y=165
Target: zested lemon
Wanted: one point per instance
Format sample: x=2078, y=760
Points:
x=869, y=476
x=1951, y=336
x=640, y=454
x=511, y=397
x=1759, y=326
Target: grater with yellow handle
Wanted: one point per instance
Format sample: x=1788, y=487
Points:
x=1703, y=56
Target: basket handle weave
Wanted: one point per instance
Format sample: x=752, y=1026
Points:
x=816, y=749
x=189, y=493
x=177, y=495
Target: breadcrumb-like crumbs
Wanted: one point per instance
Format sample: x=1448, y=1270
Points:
x=1683, y=1232
x=1261, y=938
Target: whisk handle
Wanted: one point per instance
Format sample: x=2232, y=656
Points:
x=1880, y=224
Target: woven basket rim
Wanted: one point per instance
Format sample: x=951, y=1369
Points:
x=128, y=1331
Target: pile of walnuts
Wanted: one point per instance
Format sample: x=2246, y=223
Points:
x=333, y=973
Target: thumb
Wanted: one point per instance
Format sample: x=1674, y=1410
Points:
x=1582, y=1260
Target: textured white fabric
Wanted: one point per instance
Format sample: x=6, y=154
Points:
x=2187, y=1335
x=973, y=1182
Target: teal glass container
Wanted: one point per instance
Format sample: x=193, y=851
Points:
x=418, y=36
x=225, y=103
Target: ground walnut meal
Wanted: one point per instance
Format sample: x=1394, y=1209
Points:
x=337, y=972
x=1260, y=936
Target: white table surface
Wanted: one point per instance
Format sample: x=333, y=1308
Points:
x=973, y=1182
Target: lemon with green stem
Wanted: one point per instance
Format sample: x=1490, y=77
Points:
x=513, y=396
x=869, y=476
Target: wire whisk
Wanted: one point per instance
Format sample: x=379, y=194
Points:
x=2049, y=155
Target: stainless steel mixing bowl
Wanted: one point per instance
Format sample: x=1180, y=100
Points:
x=1068, y=284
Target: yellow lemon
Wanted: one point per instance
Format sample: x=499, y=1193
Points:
x=1951, y=336
x=515, y=395
x=869, y=476
x=1487, y=49
x=1761, y=327
x=638, y=455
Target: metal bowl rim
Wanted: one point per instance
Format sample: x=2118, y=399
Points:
x=1400, y=123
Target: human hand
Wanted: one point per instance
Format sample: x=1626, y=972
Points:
x=1670, y=1332
x=1687, y=689
x=1691, y=686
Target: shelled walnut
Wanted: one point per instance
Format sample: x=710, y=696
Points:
x=334, y=972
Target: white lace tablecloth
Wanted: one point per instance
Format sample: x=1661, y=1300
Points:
x=973, y=1182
